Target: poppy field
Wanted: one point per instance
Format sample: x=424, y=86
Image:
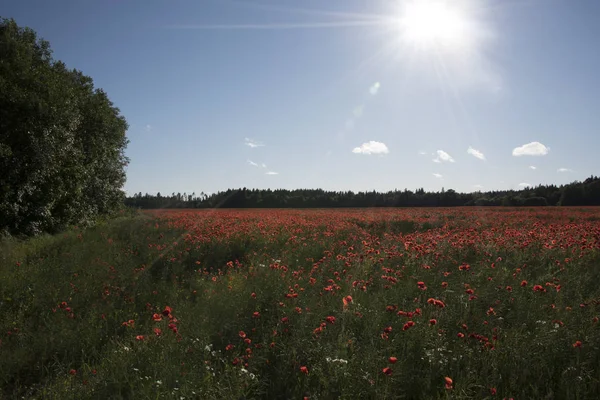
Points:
x=415, y=303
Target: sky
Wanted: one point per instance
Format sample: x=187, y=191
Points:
x=340, y=95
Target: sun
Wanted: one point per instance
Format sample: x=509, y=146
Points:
x=434, y=24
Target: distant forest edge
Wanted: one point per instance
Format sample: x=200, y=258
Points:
x=586, y=193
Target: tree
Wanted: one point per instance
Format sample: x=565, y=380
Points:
x=61, y=143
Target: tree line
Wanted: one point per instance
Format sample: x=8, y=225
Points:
x=586, y=193
x=62, y=141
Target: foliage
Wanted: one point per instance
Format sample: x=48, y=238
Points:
x=62, y=143
x=574, y=194
x=253, y=304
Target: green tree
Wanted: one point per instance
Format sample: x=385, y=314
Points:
x=61, y=143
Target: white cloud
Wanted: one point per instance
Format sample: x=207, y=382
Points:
x=271, y=173
x=531, y=149
x=251, y=143
x=374, y=88
x=443, y=156
x=263, y=165
x=148, y=128
x=476, y=153
x=437, y=175
x=478, y=186
x=523, y=184
x=372, y=147
x=532, y=167
x=564, y=170
x=252, y=163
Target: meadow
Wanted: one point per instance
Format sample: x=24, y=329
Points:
x=428, y=303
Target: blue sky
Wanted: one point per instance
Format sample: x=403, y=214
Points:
x=340, y=95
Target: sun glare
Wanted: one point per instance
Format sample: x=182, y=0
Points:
x=428, y=24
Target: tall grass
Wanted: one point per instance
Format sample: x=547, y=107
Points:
x=235, y=304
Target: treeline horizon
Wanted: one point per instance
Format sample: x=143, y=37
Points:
x=586, y=193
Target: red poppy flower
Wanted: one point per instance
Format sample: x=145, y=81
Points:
x=392, y=360
x=347, y=300
x=387, y=371
x=304, y=370
x=448, y=383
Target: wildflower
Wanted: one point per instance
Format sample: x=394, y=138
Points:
x=493, y=391
x=304, y=370
x=139, y=338
x=330, y=319
x=421, y=285
x=460, y=335
x=408, y=325
x=229, y=347
x=444, y=284
x=347, y=300
x=156, y=317
x=73, y=372
x=523, y=283
x=157, y=331
x=242, y=334
x=387, y=371
x=448, y=383
x=577, y=344
x=392, y=360
x=256, y=314
x=432, y=321
x=168, y=310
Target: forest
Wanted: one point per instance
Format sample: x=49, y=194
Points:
x=586, y=193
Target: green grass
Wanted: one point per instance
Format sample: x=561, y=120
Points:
x=133, y=267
